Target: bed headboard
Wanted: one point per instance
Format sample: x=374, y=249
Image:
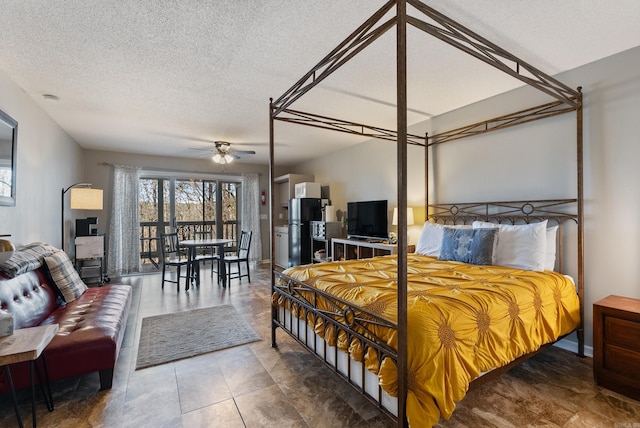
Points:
x=555, y=211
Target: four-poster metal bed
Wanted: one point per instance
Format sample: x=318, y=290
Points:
x=295, y=304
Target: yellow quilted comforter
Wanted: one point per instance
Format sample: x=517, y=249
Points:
x=462, y=320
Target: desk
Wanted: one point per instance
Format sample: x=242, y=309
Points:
x=27, y=344
x=193, y=244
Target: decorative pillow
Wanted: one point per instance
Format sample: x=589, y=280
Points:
x=430, y=241
x=473, y=246
x=65, y=276
x=522, y=246
x=27, y=258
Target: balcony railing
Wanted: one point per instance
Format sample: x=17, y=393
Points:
x=150, y=235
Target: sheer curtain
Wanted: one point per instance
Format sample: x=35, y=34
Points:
x=250, y=215
x=124, y=240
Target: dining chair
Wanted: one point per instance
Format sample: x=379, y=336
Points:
x=207, y=254
x=172, y=256
x=241, y=257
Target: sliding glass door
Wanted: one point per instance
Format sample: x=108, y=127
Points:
x=185, y=206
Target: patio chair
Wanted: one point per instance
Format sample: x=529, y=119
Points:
x=242, y=257
x=172, y=256
x=207, y=254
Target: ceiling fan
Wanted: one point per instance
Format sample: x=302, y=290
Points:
x=224, y=154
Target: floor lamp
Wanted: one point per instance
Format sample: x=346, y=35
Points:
x=83, y=197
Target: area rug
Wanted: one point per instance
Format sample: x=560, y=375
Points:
x=171, y=337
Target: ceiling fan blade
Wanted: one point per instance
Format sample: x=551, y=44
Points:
x=245, y=152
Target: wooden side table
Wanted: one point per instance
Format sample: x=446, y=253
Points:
x=616, y=344
x=27, y=344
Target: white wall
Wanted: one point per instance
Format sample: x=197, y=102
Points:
x=48, y=160
x=532, y=161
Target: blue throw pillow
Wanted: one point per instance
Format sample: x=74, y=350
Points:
x=474, y=246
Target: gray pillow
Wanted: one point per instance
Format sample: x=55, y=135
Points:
x=474, y=246
x=65, y=276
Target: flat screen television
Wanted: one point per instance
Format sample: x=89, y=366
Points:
x=367, y=220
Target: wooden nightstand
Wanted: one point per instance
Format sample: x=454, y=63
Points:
x=616, y=345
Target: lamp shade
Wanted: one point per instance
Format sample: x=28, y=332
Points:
x=86, y=199
x=394, y=222
x=6, y=250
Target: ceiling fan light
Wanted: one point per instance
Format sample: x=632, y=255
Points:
x=222, y=158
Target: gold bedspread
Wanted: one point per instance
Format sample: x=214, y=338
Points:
x=462, y=320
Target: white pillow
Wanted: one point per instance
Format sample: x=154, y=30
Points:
x=522, y=246
x=550, y=259
x=430, y=241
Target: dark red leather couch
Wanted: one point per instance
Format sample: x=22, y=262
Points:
x=91, y=328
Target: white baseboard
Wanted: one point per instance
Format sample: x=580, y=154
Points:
x=571, y=345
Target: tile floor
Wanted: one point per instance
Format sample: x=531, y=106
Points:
x=255, y=385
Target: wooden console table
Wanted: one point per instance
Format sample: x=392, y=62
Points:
x=27, y=344
x=350, y=249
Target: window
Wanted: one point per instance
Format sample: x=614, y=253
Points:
x=185, y=205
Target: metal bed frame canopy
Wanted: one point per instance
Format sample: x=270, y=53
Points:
x=449, y=31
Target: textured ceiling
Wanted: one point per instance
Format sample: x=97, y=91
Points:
x=165, y=77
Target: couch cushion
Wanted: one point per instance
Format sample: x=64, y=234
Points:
x=28, y=297
x=91, y=331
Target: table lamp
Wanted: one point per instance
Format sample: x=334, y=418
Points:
x=394, y=222
x=6, y=250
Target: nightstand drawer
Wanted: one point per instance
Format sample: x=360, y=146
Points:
x=621, y=332
x=622, y=361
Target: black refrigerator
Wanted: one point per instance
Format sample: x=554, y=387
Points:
x=301, y=212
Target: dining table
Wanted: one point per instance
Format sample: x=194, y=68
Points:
x=192, y=246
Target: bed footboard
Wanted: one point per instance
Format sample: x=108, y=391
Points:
x=309, y=315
